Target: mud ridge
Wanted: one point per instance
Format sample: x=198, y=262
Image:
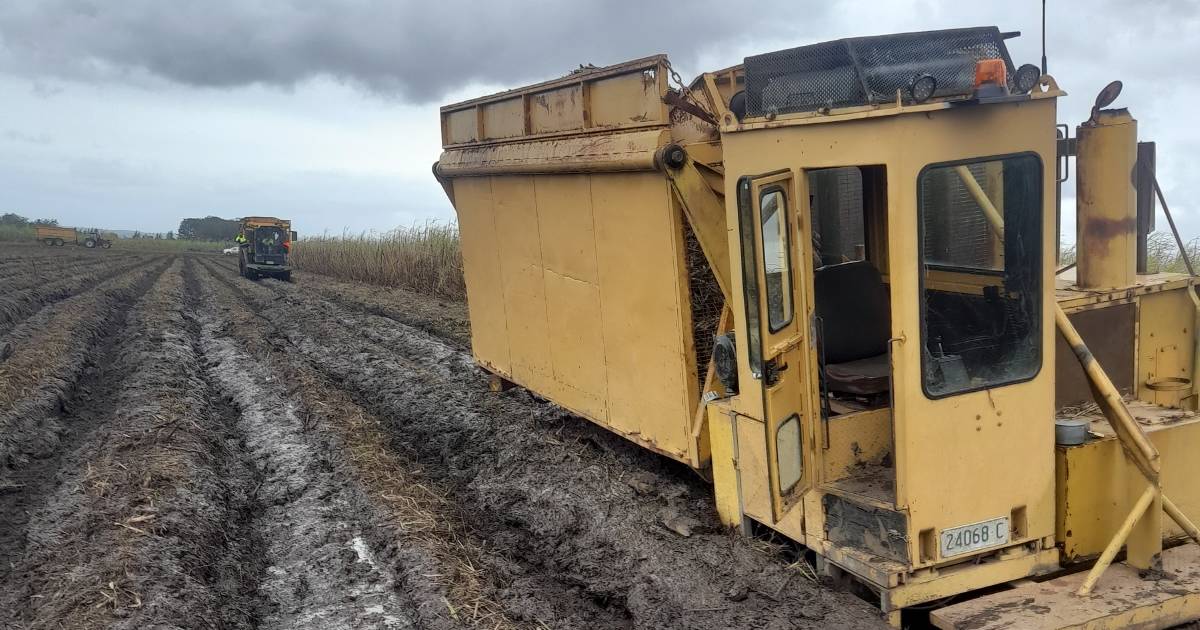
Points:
x=16, y=305
x=132, y=533
x=46, y=359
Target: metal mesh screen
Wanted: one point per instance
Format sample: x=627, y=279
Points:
x=865, y=70
x=706, y=302
x=959, y=235
x=837, y=213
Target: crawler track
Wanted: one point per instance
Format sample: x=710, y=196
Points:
x=186, y=448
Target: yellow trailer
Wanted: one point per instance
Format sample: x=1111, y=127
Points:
x=58, y=236
x=827, y=277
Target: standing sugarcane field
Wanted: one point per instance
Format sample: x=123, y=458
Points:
x=516, y=315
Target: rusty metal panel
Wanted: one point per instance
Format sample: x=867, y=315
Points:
x=504, y=119
x=619, y=97
x=872, y=529
x=630, y=151
x=557, y=110
x=627, y=98
x=481, y=268
x=459, y=127
x=1109, y=333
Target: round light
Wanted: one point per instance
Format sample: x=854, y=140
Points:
x=922, y=87
x=1027, y=76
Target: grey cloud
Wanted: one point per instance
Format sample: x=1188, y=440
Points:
x=417, y=51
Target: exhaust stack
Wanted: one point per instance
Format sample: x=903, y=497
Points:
x=1106, y=200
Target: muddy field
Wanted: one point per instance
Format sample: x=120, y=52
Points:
x=183, y=448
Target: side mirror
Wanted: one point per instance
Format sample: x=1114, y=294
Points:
x=1106, y=98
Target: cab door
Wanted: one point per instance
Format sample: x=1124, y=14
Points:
x=774, y=257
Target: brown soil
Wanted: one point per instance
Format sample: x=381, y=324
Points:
x=183, y=448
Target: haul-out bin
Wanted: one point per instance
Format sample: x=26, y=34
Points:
x=584, y=281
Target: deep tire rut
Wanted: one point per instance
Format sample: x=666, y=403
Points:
x=578, y=506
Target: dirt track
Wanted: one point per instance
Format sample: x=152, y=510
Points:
x=183, y=448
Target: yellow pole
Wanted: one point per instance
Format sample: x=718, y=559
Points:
x=1180, y=518
x=1128, y=430
x=1118, y=540
x=989, y=209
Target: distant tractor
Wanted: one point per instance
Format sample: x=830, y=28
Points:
x=52, y=235
x=265, y=244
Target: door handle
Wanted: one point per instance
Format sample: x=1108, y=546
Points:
x=787, y=344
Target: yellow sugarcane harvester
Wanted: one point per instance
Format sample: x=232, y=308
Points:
x=827, y=278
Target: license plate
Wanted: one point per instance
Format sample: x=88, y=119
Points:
x=959, y=540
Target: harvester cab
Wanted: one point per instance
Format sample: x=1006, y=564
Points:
x=828, y=276
x=265, y=245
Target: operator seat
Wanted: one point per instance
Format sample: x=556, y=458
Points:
x=853, y=306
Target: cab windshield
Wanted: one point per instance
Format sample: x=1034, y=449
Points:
x=980, y=263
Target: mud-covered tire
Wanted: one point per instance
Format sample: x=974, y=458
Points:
x=48, y=242
x=58, y=242
x=106, y=245
x=90, y=244
x=285, y=276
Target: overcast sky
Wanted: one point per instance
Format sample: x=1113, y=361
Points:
x=137, y=113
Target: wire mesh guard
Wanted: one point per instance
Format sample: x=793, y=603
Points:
x=706, y=301
x=866, y=70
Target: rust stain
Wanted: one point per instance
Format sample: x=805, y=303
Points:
x=1099, y=232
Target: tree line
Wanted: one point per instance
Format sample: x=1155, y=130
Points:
x=16, y=220
x=208, y=228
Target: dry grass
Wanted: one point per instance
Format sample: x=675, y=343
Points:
x=424, y=258
x=1162, y=254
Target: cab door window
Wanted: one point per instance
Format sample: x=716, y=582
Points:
x=776, y=266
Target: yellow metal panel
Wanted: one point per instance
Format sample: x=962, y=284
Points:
x=556, y=110
x=1097, y=486
x=576, y=345
x=567, y=228
x=1166, y=323
x=752, y=465
x=724, y=470
x=504, y=119
x=481, y=268
x=637, y=259
x=461, y=126
x=856, y=439
x=625, y=98
x=524, y=285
